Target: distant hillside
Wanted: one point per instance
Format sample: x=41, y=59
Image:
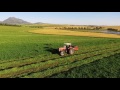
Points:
x=38, y=23
x=13, y=20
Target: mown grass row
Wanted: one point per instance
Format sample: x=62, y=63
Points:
x=13, y=72
x=108, y=67
x=20, y=63
x=50, y=56
x=66, y=67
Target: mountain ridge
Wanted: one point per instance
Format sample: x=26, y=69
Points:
x=15, y=21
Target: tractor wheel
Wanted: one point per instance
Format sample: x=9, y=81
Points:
x=62, y=53
x=71, y=51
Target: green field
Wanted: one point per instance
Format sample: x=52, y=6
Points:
x=105, y=68
x=29, y=55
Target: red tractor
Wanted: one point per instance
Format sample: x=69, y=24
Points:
x=67, y=48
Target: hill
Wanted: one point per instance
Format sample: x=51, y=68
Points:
x=38, y=23
x=13, y=20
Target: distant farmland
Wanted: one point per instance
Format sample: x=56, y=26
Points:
x=73, y=33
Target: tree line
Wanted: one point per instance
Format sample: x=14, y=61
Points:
x=112, y=29
x=35, y=26
x=81, y=28
x=2, y=24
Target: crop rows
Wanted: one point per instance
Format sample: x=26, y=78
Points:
x=47, y=57
x=26, y=54
x=19, y=63
x=71, y=63
x=32, y=66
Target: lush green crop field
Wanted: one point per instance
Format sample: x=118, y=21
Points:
x=25, y=54
x=105, y=68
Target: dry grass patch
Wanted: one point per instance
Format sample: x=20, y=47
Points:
x=73, y=33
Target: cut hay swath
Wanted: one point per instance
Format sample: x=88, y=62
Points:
x=39, y=68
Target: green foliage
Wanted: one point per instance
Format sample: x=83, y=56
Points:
x=112, y=29
x=15, y=25
x=81, y=28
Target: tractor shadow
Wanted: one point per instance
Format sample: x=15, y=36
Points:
x=53, y=51
x=50, y=49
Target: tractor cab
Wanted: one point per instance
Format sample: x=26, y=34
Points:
x=67, y=45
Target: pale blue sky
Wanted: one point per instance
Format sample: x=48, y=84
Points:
x=79, y=18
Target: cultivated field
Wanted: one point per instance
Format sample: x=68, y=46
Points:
x=73, y=33
x=33, y=52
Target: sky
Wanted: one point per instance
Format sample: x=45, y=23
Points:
x=74, y=18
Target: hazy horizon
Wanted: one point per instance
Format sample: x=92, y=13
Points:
x=72, y=18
